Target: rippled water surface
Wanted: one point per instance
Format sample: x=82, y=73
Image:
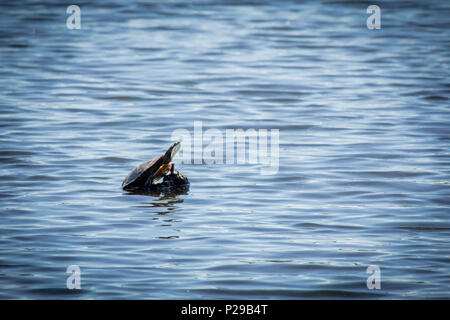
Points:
x=364, y=161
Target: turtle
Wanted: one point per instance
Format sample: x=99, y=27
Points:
x=144, y=176
x=174, y=183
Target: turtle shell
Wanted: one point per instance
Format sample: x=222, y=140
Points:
x=139, y=176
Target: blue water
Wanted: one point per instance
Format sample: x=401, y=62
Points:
x=364, y=165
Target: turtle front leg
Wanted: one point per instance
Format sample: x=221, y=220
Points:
x=172, y=168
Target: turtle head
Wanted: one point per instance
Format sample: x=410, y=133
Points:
x=170, y=153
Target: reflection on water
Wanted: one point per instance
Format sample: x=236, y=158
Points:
x=168, y=194
x=363, y=173
x=168, y=203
